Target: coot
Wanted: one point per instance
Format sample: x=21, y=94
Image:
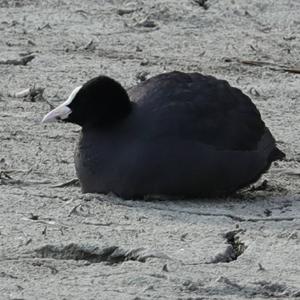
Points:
x=176, y=134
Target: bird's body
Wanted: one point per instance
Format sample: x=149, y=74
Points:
x=182, y=135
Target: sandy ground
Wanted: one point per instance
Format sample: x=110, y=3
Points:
x=56, y=243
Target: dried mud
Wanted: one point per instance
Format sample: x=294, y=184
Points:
x=55, y=242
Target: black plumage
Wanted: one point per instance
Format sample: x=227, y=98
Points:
x=176, y=134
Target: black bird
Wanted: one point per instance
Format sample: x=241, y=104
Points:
x=176, y=134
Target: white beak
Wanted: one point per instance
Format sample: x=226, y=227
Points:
x=62, y=111
x=59, y=113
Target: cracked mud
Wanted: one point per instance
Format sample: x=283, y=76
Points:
x=56, y=243
x=94, y=254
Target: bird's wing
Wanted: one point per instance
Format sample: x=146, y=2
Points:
x=197, y=107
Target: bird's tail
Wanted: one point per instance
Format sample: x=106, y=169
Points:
x=268, y=145
x=276, y=154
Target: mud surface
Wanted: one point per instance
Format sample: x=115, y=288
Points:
x=56, y=243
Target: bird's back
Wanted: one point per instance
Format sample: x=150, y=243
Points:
x=200, y=108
